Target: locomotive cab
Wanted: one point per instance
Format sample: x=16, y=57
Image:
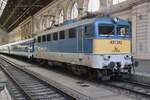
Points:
x=112, y=47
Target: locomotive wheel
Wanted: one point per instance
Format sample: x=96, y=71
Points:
x=92, y=74
x=78, y=70
x=129, y=74
x=44, y=63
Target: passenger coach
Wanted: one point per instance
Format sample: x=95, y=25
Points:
x=24, y=48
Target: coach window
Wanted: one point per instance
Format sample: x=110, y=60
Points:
x=49, y=37
x=72, y=33
x=43, y=38
x=55, y=36
x=39, y=39
x=61, y=35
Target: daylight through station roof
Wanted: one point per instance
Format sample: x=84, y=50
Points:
x=18, y=10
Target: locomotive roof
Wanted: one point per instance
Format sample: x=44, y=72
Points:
x=68, y=26
x=105, y=20
x=76, y=24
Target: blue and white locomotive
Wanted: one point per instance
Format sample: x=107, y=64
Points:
x=97, y=46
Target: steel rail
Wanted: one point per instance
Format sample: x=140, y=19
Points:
x=23, y=90
x=28, y=97
x=130, y=84
x=137, y=83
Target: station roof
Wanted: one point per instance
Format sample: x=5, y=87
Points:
x=18, y=10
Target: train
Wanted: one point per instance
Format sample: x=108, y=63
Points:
x=98, y=47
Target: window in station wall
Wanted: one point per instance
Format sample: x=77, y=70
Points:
x=74, y=11
x=61, y=17
x=2, y=6
x=117, y=1
x=93, y=5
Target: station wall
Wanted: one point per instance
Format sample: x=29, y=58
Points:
x=14, y=35
x=49, y=15
x=141, y=30
x=26, y=28
x=3, y=35
x=138, y=13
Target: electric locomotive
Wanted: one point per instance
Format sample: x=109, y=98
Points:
x=100, y=47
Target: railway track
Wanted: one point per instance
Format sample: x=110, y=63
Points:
x=14, y=91
x=30, y=87
x=131, y=86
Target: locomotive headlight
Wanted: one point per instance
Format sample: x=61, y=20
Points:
x=106, y=58
x=116, y=19
x=127, y=57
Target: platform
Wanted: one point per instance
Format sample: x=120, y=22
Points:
x=2, y=81
x=142, y=72
x=4, y=94
x=141, y=77
x=144, y=67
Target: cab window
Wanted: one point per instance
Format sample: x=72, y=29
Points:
x=122, y=30
x=106, y=29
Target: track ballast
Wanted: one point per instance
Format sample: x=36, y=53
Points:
x=31, y=87
x=131, y=86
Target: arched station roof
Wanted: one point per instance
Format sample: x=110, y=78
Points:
x=18, y=10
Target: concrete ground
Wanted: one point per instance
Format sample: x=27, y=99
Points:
x=87, y=89
x=4, y=94
x=144, y=66
x=3, y=80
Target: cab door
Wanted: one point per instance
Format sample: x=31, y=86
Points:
x=88, y=38
x=80, y=39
